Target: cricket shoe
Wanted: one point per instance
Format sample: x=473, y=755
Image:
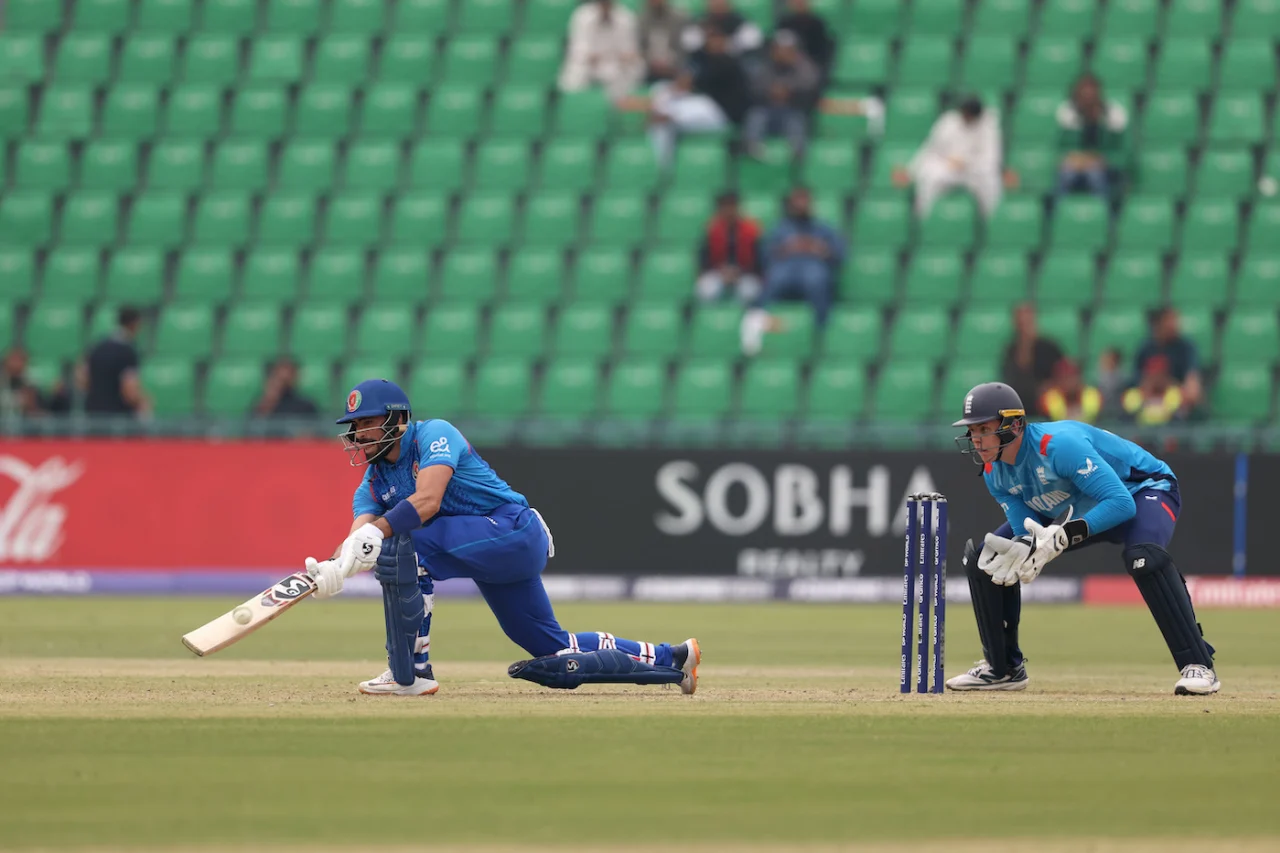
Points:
x=982, y=677
x=386, y=685
x=1197, y=680
x=691, y=653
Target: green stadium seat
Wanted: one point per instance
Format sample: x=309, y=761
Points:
x=909, y=114
x=518, y=112
x=470, y=59
x=299, y=17
x=1000, y=276
x=1258, y=282
x=1251, y=336
x=920, y=332
x=1066, y=278
x=1134, y=278
x=486, y=17
x=14, y=112
x=1033, y=117
x=109, y=164
x=171, y=385
x=1264, y=224
x=21, y=58
x=1184, y=63
x=884, y=160
x=1225, y=173
x=204, y=275
x=1243, y=393
x=602, y=274
x=1194, y=18
x=407, y=58
x=365, y=17
x=667, y=274
x=32, y=16
x=402, y=275
x=1017, y=223
x=1198, y=325
x=222, y=219
x=881, y=18
x=8, y=332
x=795, y=335
x=853, y=332
x=391, y=111
x=1162, y=171
x=353, y=219
x=452, y=330
x=172, y=17
x=1074, y=18
x=83, y=58
x=770, y=388
x=939, y=17
x=232, y=386
x=1080, y=222
x=185, y=329
x=440, y=384
x=567, y=164
x=272, y=276
x=356, y=370
x=990, y=62
x=570, y=387
x=131, y=112
x=1200, y=279
x=703, y=389
x=584, y=329
x=194, y=111
x=1147, y=222
x=90, y=218
x=952, y=223
x=55, y=329
x=147, y=59
x=551, y=219
x=372, y=166
x=1172, y=117
x=437, y=164
x=1063, y=325
x=904, y=391
x=924, y=60
x=653, y=329
x=71, y=275
x=26, y=218
x=322, y=111
x=1054, y=59
x=501, y=165
x=682, y=217
x=287, y=219
x=212, y=59
x=518, y=329
x=582, y=115
x=1237, y=118
x=385, y=330
x=1210, y=225
x=832, y=164
x=486, y=219
x=934, y=277
x=157, y=218
x=701, y=165
x=1247, y=65
x=319, y=330
x=66, y=112
x=870, y=276
x=882, y=221
x=40, y=165
x=275, y=59
x=1257, y=18
x=503, y=387
x=239, y=165
x=837, y=390
x=1123, y=328
x=469, y=275
x=336, y=276
x=307, y=165
x=861, y=60
x=961, y=377
x=534, y=275
x=341, y=59
x=233, y=17
x=455, y=111
x=714, y=331
x=631, y=165
x=260, y=111
x=251, y=329
x=1121, y=61
x=983, y=332
x=18, y=271
x=1137, y=18
x=617, y=219
x=1037, y=167
x=1008, y=18
x=636, y=388
x=420, y=219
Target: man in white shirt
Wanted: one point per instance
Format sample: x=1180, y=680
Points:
x=604, y=49
x=963, y=150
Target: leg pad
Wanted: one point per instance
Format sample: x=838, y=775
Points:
x=403, y=607
x=1165, y=591
x=607, y=666
x=988, y=609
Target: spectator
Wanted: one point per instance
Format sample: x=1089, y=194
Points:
x=1110, y=381
x=719, y=74
x=114, y=387
x=815, y=36
x=1156, y=399
x=1091, y=140
x=787, y=89
x=743, y=36
x=18, y=397
x=729, y=260
x=1029, y=359
x=1068, y=398
x=963, y=150
x=603, y=48
x=661, y=29
x=1183, y=362
x=675, y=109
x=280, y=397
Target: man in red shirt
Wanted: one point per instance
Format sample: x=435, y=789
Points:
x=729, y=259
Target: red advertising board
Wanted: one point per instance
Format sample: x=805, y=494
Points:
x=166, y=505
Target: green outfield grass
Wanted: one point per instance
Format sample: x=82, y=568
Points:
x=113, y=735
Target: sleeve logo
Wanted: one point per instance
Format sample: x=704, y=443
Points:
x=1088, y=468
x=440, y=445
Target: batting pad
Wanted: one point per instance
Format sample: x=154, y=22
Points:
x=403, y=605
x=607, y=666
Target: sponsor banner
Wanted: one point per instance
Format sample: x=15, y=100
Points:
x=1206, y=592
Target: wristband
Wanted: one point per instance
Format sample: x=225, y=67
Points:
x=1077, y=531
x=402, y=518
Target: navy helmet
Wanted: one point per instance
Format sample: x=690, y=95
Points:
x=990, y=401
x=374, y=398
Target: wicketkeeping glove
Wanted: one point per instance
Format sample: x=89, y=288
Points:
x=1002, y=557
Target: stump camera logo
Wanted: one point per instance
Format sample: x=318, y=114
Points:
x=31, y=523
x=287, y=590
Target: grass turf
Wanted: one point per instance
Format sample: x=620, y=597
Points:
x=111, y=734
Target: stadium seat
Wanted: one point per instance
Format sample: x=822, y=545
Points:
x=1080, y=222
x=517, y=329
x=904, y=391
x=1258, y=282
x=1198, y=325
x=1247, y=65
x=617, y=219
x=999, y=276
x=232, y=386
x=1237, y=118
x=1066, y=278
x=909, y=114
x=239, y=165
x=990, y=63
x=1007, y=18
x=924, y=59
x=251, y=329
x=386, y=330
x=211, y=58
x=271, y=276
x=584, y=329
x=83, y=58
x=1017, y=224
x=703, y=389
x=653, y=329
x=1257, y=18
x=920, y=332
x=236, y=17
x=470, y=59
x=1172, y=117
x=934, y=277
x=136, y=276
x=1123, y=328
x=503, y=387
x=1037, y=167
x=1133, y=278
x=853, y=333
x=407, y=56
x=631, y=166
x=430, y=16
x=322, y=111
x=550, y=219
x=1210, y=225
x=42, y=165
x=837, y=390
x=567, y=164
x=336, y=277
x=636, y=389
x=1200, y=279
x=501, y=165
x=486, y=219
x=341, y=58
x=131, y=111
x=1243, y=393
x=1137, y=18
x=194, y=111
x=1225, y=172
x=109, y=164
x=275, y=59
x=682, y=216
x=18, y=271
x=862, y=61
x=402, y=275
x=1161, y=171
x=353, y=219
x=71, y=275
x=89, y=218
x=171, y=384
x=222, y=219
x=185, y=329
x=419, y=219
x=714, y=331
x=451, y=331
x=437, y=164
x=668, y=275
x=870, y=276
x=794, y=338
x=307, y=166
x=287, y=219
x=1262, y=226
x=1065, y=327
x=882, y=221
x=879, y=18
x=1121, y=61
x=951, y=224
x=570, y=388
x=770, y=388
x=1147, y=222
x=469, y=275
x=204, y=275
x=1054, y=59
x=372, y=166
x=1194, y=18
x=1184, y=63
x=260, y=111
x=390, y=111
x=534, y=59
x=318, y=331
x=441, y=384
x=983, y=332
x=534, y=275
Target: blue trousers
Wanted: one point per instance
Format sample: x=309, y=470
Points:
x=505, y=552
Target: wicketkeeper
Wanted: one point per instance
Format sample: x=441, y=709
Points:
x=429, y=508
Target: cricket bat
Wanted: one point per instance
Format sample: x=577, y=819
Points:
x=240, y=622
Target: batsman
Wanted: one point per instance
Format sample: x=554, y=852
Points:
x=430, y=508
x=1065, y=485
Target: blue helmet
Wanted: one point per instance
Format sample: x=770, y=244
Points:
x=370, y=399
x=374, y=397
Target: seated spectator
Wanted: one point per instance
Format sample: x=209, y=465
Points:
x=963, y=150
x=675, y=109
x=603, y=49
x=720, y=16
x=802, y=261
x=1110, y=380
x=1068, y=398
x=1183, y=362
x=1091, y=140
x=280, y=397
x=661, y=29
x=787, y=88
x=815, y=36
x=1029, y=359
x=729, y=260
x=114, y=387
x=1156, y=399
x=18, y=397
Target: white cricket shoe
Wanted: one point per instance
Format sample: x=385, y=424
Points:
x=982, y=677
x=386, y=685
x=689, y=684
x=1197, y=680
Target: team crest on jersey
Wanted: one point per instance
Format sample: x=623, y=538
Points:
x=353, y=400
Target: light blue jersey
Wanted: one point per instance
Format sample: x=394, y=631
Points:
x=474, y=488
x=1065, y=464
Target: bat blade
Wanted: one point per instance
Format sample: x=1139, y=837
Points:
x=262, y=608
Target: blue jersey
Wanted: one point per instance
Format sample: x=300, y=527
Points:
x=1065, y=464
x=474, y=488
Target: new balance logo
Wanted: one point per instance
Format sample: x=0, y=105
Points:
x=1140, y=563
